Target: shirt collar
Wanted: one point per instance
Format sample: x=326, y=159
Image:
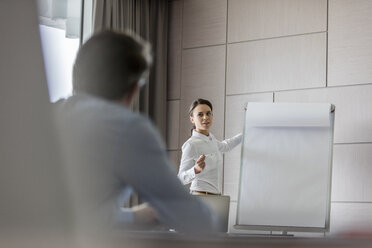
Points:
x=202, y=136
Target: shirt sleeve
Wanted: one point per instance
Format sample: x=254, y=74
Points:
x=125, y=215
x=186, y=172
x=143, y=163
x=229, y=144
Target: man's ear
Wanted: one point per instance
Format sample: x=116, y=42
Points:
x=132, y=92
x=128, y=98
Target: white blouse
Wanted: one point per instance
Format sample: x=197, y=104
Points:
x=210, y=179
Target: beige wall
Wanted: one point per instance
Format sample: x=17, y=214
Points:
x=235, y=51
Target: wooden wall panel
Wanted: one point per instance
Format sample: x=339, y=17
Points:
x=258, y=19
x=277, y=64
x=173, y=124
x=204, y=22
x=350, y=42
x=203, y=76
x=351, y=217
x=352, y=171
x=174, y=49
x=174, y=157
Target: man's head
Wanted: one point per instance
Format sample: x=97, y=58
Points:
x=110, y=65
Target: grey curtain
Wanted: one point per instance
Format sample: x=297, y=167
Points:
x=148, y=19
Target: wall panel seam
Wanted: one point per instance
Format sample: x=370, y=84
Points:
x=353, y=143
x=299, y=89
x=224, y=104
x=189, y=48
x=180, y=105
x=327, y=36
x=276, y=37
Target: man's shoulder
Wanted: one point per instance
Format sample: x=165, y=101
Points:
x=97, y=118
x=96, y=110
x=88, y=116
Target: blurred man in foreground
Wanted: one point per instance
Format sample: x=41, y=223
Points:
x=109, y=149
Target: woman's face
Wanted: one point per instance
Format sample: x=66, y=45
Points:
x=202, y=118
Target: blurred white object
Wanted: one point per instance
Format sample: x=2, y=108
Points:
x=286, y=167
x=59, y=55
x=34, y=201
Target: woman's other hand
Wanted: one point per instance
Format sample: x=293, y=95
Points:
x=200, y=164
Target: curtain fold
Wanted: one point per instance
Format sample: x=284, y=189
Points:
x=148, y=19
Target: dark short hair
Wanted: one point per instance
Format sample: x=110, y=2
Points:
x=109, y=64
x=197, y=102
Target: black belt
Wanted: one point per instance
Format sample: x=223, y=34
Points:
x=205, y=192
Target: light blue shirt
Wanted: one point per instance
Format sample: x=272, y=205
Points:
x=124, y=215
x=108, y=148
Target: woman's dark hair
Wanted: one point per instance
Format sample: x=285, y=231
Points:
x=197, y=102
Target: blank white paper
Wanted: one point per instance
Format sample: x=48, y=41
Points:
x=285, y=170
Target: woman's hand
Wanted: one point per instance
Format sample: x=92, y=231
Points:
x=200, y=164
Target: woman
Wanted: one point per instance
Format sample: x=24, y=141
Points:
x=201, y=162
